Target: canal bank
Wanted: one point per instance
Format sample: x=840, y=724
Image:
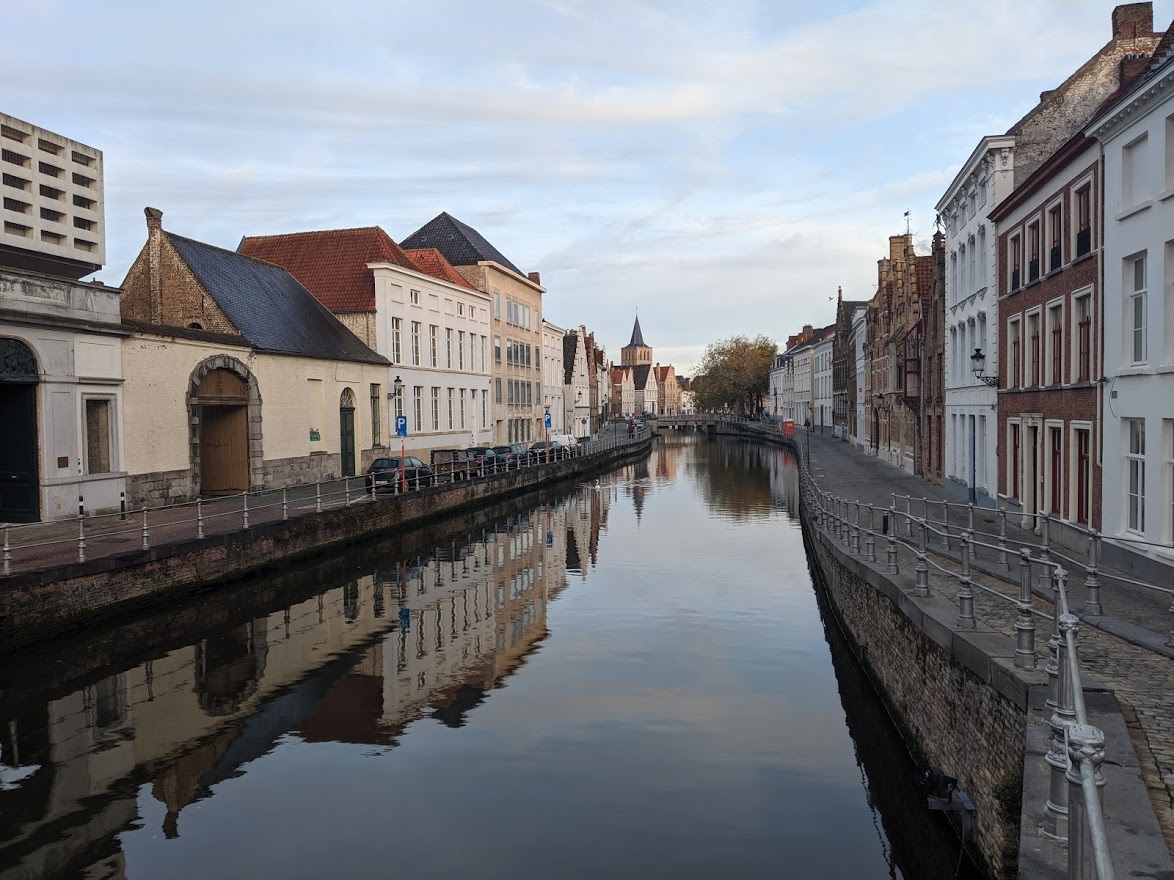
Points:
x=58, y=598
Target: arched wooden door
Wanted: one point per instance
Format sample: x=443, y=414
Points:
x=20, y=485
x=346, y=431
x=223, y=398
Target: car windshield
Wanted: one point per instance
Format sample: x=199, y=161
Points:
x=384, y=463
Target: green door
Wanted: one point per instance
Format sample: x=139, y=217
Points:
x=346, y=430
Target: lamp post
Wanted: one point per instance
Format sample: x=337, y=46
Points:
x=978, y=366
x=398, y=385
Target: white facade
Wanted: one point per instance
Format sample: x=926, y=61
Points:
x=972, y=315
x=863, y=383
x=803, y=361
x=437, y=337
x=60, y=397
x=577, y=393
x=552, y=376
x=822, y=387
x=1138, y=341
x=52, y=203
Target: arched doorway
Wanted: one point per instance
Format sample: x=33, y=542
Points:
x=223, y=398
x=346, y=431
x=20, y=484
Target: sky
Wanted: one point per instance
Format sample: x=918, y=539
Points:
x=722, y=167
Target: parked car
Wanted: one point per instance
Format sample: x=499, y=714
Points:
x=524, y=454
x=508, y=457
x=483, y=458
x=384, y=474
x=557, y=450
x=451, y=462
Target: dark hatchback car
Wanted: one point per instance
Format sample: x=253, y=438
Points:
x=538, y=450
x=483, y=457
x=525, y=456
x=384, y=474
x=508, y=458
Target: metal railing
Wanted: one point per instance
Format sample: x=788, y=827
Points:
x=29, y=547
x=1074, y=809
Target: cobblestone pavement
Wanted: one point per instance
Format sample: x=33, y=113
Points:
x=1142, y=679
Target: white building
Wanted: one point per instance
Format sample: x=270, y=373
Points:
x=576, y=379
x=552, y=376
x=802, y=387
x=822, y=381
x=1137, y=499
x=972, y=315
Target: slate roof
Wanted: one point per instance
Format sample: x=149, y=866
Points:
x=570, y=349
x=640, y=374
x=332, y=263
x=637, y=336
x=267, y=304
x=461, y=244
x=432, y=262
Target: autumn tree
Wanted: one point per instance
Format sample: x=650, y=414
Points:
x=734, y=373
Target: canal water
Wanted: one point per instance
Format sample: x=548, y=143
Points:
x=632, y=677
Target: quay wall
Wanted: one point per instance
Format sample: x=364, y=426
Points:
x=42, y=605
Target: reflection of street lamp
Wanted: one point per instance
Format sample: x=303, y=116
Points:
x=398, y=385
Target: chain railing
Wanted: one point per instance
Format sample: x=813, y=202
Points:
x=35, y=546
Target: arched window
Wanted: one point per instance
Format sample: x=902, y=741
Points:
x=347, y=400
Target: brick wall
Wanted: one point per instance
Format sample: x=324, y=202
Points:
x=179, y=300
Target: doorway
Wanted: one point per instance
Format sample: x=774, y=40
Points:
x=223, y=400
x=346, y=431
x=20, y=485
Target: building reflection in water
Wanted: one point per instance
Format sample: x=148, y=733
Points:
x=427, y=636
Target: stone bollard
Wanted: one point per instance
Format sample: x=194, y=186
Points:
x=200, y=518
x=81, y=537
x=1062, y=720
x=1053, y=665
x=1045, y=554
x=346, y=490
x=1003, y=561
x=908, y=516
x=1086, y=754
x=970, y=524
x=965, y=591
x=1025, y=624
x=922, y=567
x=1092, y=581
x=146, y=534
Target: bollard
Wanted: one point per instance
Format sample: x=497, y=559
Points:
x=1053, y=665
x=891, y=550
x=1086, y=754
x=81, y=536
x=925, y=503
x=7, y=553
x=1003, y=562
x=122, y=505
x=1044, y=553
x=854, y=535
x=1062, y=720
x=1025, y=624
x=200, y=518
x=81, y=505
x=284, y=504
x=946, y=525
x=317, y=496
x=870, y=540
x=245, y=498
x=346, y=490
x=1092, y=581
x=146, y=534
x=965, y=591
x=922, y=567
x=970, y=524
x=908, y=516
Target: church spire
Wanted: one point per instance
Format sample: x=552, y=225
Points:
x=637, y=336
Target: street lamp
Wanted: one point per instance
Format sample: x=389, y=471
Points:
x=398, y=385
x=978, y=365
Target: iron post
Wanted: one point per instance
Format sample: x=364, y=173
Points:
x=1088, y=843
x=965, y=591
x=1092, y=581
x=922, y=567
x=200, y=518
x=245, y=509
x=146, y=533
x=81, y=535
x=1062, y=720
x=1025, y=624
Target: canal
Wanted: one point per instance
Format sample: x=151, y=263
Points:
x=632, y=677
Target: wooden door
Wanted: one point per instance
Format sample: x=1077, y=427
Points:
x=20, y=488
x=346, y=430
x=224, y=450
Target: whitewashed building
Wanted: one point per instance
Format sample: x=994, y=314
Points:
x=552, y=376
x=822, y=372
x=576, y=378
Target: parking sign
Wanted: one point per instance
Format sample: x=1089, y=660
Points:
x=547, y=420
x=401, y=426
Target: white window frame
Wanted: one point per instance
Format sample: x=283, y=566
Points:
x=1083, y=294
x=1134, y=462
x=1036, y=313
x=397, y=327
x=1073, y=452
x=1074, y=190
x=1014, y=491
x=1134, y=298
x=1048, y=426
x=1049, y=308
x=1057, y=202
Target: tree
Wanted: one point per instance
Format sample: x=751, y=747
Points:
x=735, y=374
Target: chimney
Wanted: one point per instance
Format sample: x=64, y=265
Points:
x=1133, y=20
x=154, y=234
x=154, y=218
x=535, y=277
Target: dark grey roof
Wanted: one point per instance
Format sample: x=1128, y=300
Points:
x=270, y=308
x=570, y=349
x=461, y=244
x=637, y=336
x=640, y=374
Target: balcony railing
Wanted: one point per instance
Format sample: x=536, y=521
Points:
x=1084, y=242
x=1015, y=279
x=1033, y=270
x=1054, y=259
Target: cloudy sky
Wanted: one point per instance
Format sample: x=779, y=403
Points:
x=722, y=166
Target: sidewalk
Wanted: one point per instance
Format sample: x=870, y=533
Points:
x=1124, y=649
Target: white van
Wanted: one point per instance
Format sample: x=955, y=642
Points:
x=567, y=440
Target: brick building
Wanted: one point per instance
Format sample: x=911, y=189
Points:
x=933, y=397
x=844, y=388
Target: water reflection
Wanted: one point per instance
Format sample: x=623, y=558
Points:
x=681, y=685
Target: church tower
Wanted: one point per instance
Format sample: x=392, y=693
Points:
x=636, y=352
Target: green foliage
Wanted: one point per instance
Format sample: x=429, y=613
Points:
x=734, y=374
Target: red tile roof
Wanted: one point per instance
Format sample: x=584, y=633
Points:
x=430, y=261
x=332, y=264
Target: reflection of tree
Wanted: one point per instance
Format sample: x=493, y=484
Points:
x=735, y=476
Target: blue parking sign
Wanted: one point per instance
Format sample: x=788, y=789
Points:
x=547, y=420
x=401, y=426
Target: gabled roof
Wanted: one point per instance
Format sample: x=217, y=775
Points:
x=637, y=336
x=331, y=264
x=430, y=261
x=461, y=244
x=640, y=374
x=662, y=373
x=570, y=349
x=272, y=311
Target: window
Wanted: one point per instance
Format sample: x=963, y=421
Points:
x=462, y=398
x=982, y=256
x=497, y=385
x=971, y=279
x=451, y=400
x=397, y=326
x=1016, y=262
x=1082, y=320
x=1134, y=157
x=448, y=347
x=1168, y=428
x=83, y=202
x=1013, y=489
x=433, y=343
x=1033, y=244
x=1033, y=349
x=52, y=193
x=418, y=407
x=460, y=310
x=1084, y=220
x=496, y=306
x=416, y=344
x=461, y=350
x=1083, y=475
x=1135, y=475
x=98, y=435
x=16, y=182
x=484, y=368
x=1054, y=231
x=1055, y=472
x=435, y=408
x=1136, y=321
x=376, y=417
x=485, y=407
x=1056, y=342
x=414, y=297
x=1015, y=353
x=54, y=171
x=957, y=291
x=497, y=349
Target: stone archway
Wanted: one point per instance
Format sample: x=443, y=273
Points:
x=224, y=399
x=20, y=484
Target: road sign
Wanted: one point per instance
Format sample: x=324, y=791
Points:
x=401, y=426
x=548, y=422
